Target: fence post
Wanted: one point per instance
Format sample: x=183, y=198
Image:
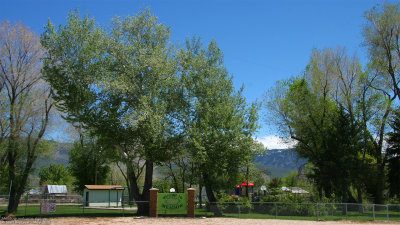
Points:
x=387, y=212
x=26, y=202
x=346, y=212
x=373, y=211
x=122, y=203
x=317, y=211
x=153, y=202
x=276, y=210
x=41, y=208
x=239, y=209
x=190, y=202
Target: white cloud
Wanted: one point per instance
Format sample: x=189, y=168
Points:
x=275, y=142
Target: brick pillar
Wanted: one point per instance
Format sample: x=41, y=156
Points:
x=153, y=212
x=190, y=202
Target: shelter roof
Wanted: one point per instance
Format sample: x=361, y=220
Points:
x=104, y=187
x=245, y=184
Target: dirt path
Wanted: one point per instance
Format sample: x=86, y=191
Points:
x=179, y=221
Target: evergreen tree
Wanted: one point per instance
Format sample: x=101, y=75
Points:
x=393, y=152
x=88, y=163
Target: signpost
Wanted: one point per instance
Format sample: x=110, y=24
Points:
x=46, y=207
x=172, y=202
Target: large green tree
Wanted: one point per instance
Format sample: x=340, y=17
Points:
x=119, y=84
x=218, y=123
x=54, y=174
x=393, y=152
x=88, y=162
x=332, y=81
x=319, y=111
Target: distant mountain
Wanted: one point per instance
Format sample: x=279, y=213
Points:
x=280, y=162
x=59, y=155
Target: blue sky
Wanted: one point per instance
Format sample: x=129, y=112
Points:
x=263, y=41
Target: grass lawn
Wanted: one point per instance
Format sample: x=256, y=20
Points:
x=69, y=211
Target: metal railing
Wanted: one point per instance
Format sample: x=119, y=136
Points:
x=308, y=211
x=71, y=205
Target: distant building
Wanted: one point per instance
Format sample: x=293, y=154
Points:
x=56, y=191
x=297, y=190
x=33, y=191
x=103, y=195
x=294, y=190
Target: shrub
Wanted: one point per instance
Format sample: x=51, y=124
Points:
x=229, y=204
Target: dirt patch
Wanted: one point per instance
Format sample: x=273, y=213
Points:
x=202, y=221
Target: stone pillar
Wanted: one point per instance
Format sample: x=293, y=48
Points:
x=190, y=202
x=153, y=209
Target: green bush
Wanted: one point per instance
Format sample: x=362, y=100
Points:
x=229, y=204
x=286, y=205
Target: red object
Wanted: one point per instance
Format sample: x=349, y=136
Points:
x=245, y=184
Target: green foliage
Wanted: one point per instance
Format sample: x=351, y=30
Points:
x=291, y=179
x=117, y=83
x=164, y=185
x=219, y=123
x=88, y=163
x=255, y=175
x=121, y=84
x=393, y=152
x=320, y=111
x=286, y=205
x=275, y=182
x=55, y=174
x=230, y=204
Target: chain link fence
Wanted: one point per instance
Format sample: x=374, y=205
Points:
x=70, y=205
x=302, y=211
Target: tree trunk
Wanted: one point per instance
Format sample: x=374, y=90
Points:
x=344, y=199
x=13, y=203
x=19, y=184
x=380, y=184
x=211, y=197
x=359, y=195
x=247, y=182
x=144, y=198
x=95, y=169
x=200, y=196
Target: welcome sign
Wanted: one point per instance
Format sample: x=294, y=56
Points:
x=172, y=202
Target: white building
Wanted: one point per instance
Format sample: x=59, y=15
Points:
x=56, y=191
x=103, y=195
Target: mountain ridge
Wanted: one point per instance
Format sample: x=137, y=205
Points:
x=278, y=162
